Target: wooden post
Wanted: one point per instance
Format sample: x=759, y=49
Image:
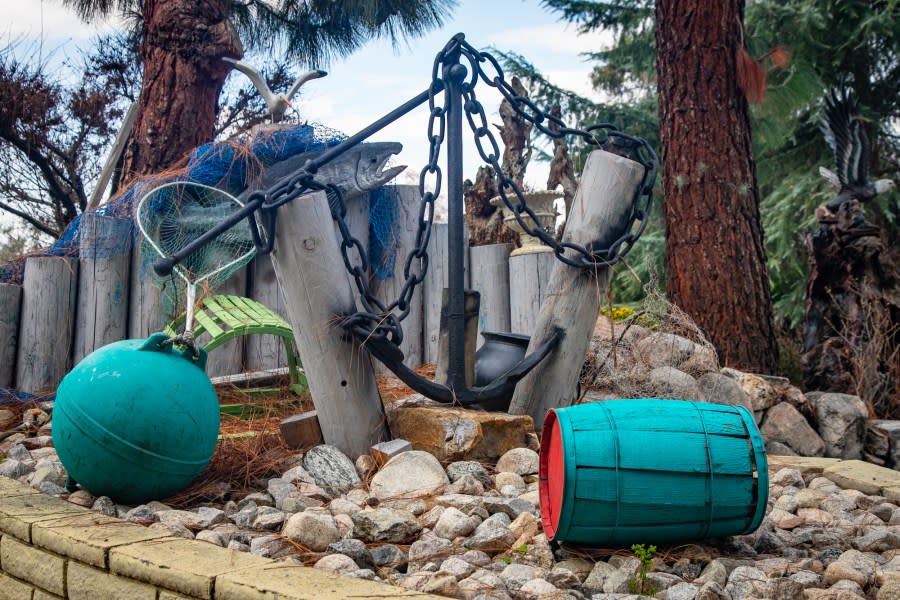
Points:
x=529, y=276
x=406, y=206
x=433, y=292
x=266, y=351
x=10, y=304
x=301, y=431
x=48, y=322
x=601, y=209
x=490, y=276
x=103, y=281
x=339, y=372
x=470, y=332
x=145, y=313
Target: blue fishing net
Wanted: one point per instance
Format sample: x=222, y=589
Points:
x=230, y=166
x=383, y=207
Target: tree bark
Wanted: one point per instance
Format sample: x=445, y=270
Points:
x=183, y=42
x=715, y=259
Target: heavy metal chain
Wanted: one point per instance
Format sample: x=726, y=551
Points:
x=603, y=135
x=377, y=320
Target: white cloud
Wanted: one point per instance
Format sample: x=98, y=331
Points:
x=558, y=38
x=33, y=20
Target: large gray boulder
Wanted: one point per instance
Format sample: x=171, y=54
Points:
x=842, y=423
x=785, y=424
x=411, y=474
x=331, y=469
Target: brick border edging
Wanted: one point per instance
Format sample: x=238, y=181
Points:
x=50, y=548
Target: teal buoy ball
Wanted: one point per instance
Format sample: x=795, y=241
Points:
x=136, y=420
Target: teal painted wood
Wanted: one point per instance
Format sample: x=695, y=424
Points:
x=651, y=470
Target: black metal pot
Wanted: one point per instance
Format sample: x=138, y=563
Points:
x=500, y=352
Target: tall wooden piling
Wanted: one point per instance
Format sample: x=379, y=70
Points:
x=490, y=278
x=266, y=351
x=103, y=282
x=601, y=208
x=529, y=276
x=47, y=322
x=10, y=310
x=339, y=372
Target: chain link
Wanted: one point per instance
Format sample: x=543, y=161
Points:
x=379, y=321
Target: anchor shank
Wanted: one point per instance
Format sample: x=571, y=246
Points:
x=454, y=74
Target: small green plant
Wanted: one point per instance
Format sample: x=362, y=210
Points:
x=506, y=560
x=639, y=584
x=523, y=549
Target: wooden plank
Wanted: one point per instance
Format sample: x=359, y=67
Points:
x=433, y=290
x=145, y=312
x=490, y=275
x=405, y=200
x=600, y=210
x=10, y=305
x=266, y=351
x=301, y=431
x=47, y=323
x=341, y=382
x=104, y=278
x=228, y=358
x=529, y=276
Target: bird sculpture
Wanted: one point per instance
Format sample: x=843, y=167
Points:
x=847, y=138
x=276, y=103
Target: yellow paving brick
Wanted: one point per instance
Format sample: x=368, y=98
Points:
x=88, y=537
x=35, y=566
x=166, y=595
x=40, y=594
x=11, y=487
x=186, y=566
x=288, y=582
x=87, y=583
x=13, y=589
x=18, y=513
x=865, y=477
x=804, y=464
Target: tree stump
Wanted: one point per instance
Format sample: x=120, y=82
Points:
x=852, y=328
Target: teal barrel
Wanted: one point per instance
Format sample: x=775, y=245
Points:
x=651, y=471
x=136, y=420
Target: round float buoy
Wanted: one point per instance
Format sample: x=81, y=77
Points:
x=644, y=471
x=136, y=420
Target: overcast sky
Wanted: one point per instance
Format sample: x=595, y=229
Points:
x=375, y=79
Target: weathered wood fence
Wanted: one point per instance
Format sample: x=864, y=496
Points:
x=67, y=308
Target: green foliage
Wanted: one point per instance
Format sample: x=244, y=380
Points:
x=312, y=32
x=831, y=42
x=639, y=584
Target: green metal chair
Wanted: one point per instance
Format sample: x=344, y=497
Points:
x=227, y=317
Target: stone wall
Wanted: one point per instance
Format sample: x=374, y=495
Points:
x=50, y=548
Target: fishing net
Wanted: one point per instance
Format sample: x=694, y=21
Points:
x=175, y=214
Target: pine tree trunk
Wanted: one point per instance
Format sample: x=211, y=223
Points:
x=715, y=259
x=183, y=42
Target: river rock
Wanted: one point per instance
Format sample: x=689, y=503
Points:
x=520, y=461
x=331, y=469
x=337, y=563
x=411, y=474
x=457, y=470
x=669, y=382
x=842, y=423
x=385, y=525
x=721, y=389
x=314, y=528
x=783, y=423
x=761, y=393
x=453, y=523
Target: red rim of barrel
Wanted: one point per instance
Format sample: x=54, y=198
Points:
x=552, y=471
